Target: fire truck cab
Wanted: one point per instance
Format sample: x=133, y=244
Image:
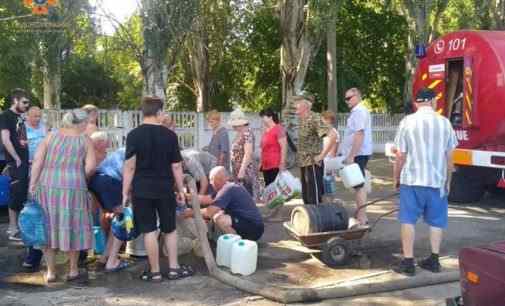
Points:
x=467, y=71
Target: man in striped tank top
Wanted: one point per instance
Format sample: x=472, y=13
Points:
x=424, y=142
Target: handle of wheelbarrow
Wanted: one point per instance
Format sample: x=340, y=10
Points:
x=382, y=216
x=316, y=190
x=376, y=201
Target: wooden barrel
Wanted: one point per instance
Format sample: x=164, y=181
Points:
x=319, y=218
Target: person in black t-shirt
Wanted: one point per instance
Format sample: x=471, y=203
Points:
x=13, y=134
x=152, y=164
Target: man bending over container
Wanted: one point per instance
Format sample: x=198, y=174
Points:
x=106, y=185
x=424, y=142
x=232, y=209
x=199, y=164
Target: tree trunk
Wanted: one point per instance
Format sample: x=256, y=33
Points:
x=417, y=14
x=331, y=65
x=297, y=51
x=199, y=59
x=155, y=73
x=52, y=89
x=499, y=15
x=51, y=75
x=154, y=67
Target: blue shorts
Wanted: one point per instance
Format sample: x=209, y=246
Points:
x=416, y=201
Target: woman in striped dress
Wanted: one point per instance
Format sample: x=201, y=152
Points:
x=58, y=182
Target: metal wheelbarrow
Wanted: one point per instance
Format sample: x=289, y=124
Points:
x=335, y=247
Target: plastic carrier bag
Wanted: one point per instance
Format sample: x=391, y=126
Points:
x=285, y=187
x=32, y=223
x=4, y=190
x=122, y=226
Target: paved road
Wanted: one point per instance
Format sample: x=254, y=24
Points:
x=470, y=224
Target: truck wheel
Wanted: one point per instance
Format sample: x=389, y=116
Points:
x=495, y=190
x=335, y=252
x=467, y=185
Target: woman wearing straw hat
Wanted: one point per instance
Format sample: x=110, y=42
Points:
x=244, y=168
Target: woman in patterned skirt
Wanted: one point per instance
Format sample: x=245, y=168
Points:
x=244, y=167
x=62, y=163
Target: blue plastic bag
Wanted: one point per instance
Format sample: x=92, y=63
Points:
x=122, y=226
x=32, y=223
x=4, y=190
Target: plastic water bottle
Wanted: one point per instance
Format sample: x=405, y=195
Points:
x=100, y=240
x=330, y=185
x=180, y=208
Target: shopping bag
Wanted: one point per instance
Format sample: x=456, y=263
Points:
x=289, y=185
x=272, y=196
x=122, y=225
x=285, y=187
x=32, y=223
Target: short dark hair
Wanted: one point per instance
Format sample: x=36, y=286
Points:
x=268, y=112
x=151, y=105
x=17, y=94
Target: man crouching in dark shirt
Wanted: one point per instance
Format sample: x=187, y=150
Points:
x=232, y=209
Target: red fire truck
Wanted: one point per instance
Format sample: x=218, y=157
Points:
x=467, y=71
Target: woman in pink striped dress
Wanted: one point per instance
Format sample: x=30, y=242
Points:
x=58, y=182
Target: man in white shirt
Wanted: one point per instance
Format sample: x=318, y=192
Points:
x=357, y=144
x=424, y=142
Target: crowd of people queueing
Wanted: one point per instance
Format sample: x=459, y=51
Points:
x=59, y=167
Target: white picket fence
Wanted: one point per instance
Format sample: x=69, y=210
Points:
x=193, y=131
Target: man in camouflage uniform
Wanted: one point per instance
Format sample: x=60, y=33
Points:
x=310, y=150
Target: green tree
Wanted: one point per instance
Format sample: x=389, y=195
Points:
x=422, y=18
x=16, y=49
x=165, y=24
x=86, y=81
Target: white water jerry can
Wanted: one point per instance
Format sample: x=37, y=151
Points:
x=224, y=245
x=244, y=257
x=351, y=176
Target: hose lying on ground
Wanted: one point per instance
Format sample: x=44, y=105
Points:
x=294, y=295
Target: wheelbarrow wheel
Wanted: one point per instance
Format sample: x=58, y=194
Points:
x=335, y=252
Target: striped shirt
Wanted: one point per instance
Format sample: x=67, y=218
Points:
x=425, y=137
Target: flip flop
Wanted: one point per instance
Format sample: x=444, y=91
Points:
x=121, y=266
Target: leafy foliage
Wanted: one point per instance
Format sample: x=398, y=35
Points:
x=243, y=45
